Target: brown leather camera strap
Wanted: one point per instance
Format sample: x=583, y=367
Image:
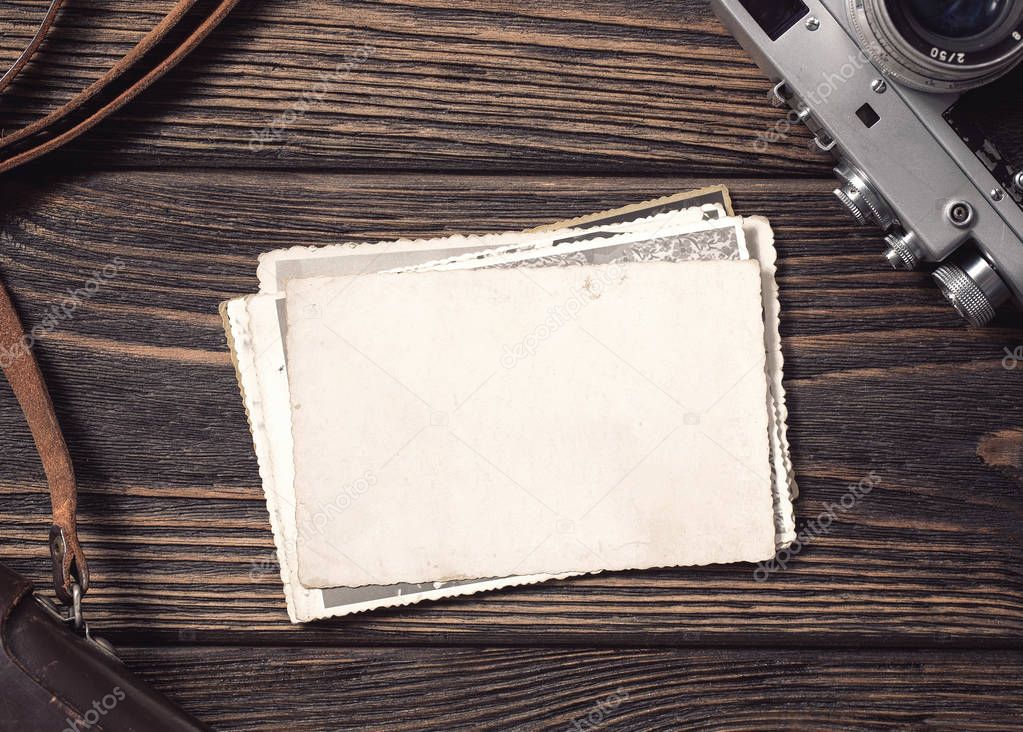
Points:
x=188, y=22
x=22, y=371
x=33, y=45
x=152, y=57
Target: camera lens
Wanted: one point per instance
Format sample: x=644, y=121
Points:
x=957, y=18
x=940, y=45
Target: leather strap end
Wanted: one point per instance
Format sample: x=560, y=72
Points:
x=69, y=565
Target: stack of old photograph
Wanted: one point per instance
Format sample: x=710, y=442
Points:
x=442, y=417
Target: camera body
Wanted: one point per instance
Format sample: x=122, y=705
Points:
x=884, y=95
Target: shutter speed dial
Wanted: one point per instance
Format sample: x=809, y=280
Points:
x=858, y=195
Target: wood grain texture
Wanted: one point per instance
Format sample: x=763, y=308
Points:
x=302, y=122
x=881, y=375
x=570, y=86
x=528, y=689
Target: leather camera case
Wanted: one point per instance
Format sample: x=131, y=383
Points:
x=55, y=679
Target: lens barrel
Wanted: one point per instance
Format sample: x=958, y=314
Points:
x=940, y=45
x=956, y=19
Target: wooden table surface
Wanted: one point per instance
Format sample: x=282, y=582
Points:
x=481, y=115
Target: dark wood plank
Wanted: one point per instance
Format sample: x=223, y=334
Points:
x=566, y=86
x=546, y=689
x=882, y=377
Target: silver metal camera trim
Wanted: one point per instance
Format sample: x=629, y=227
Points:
x=911, y=158
x=877, y=34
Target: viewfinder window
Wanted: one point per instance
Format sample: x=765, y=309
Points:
x=776, y=16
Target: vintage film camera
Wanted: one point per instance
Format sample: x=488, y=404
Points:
x=886, y=86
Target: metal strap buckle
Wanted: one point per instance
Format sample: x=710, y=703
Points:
x=72, y=615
